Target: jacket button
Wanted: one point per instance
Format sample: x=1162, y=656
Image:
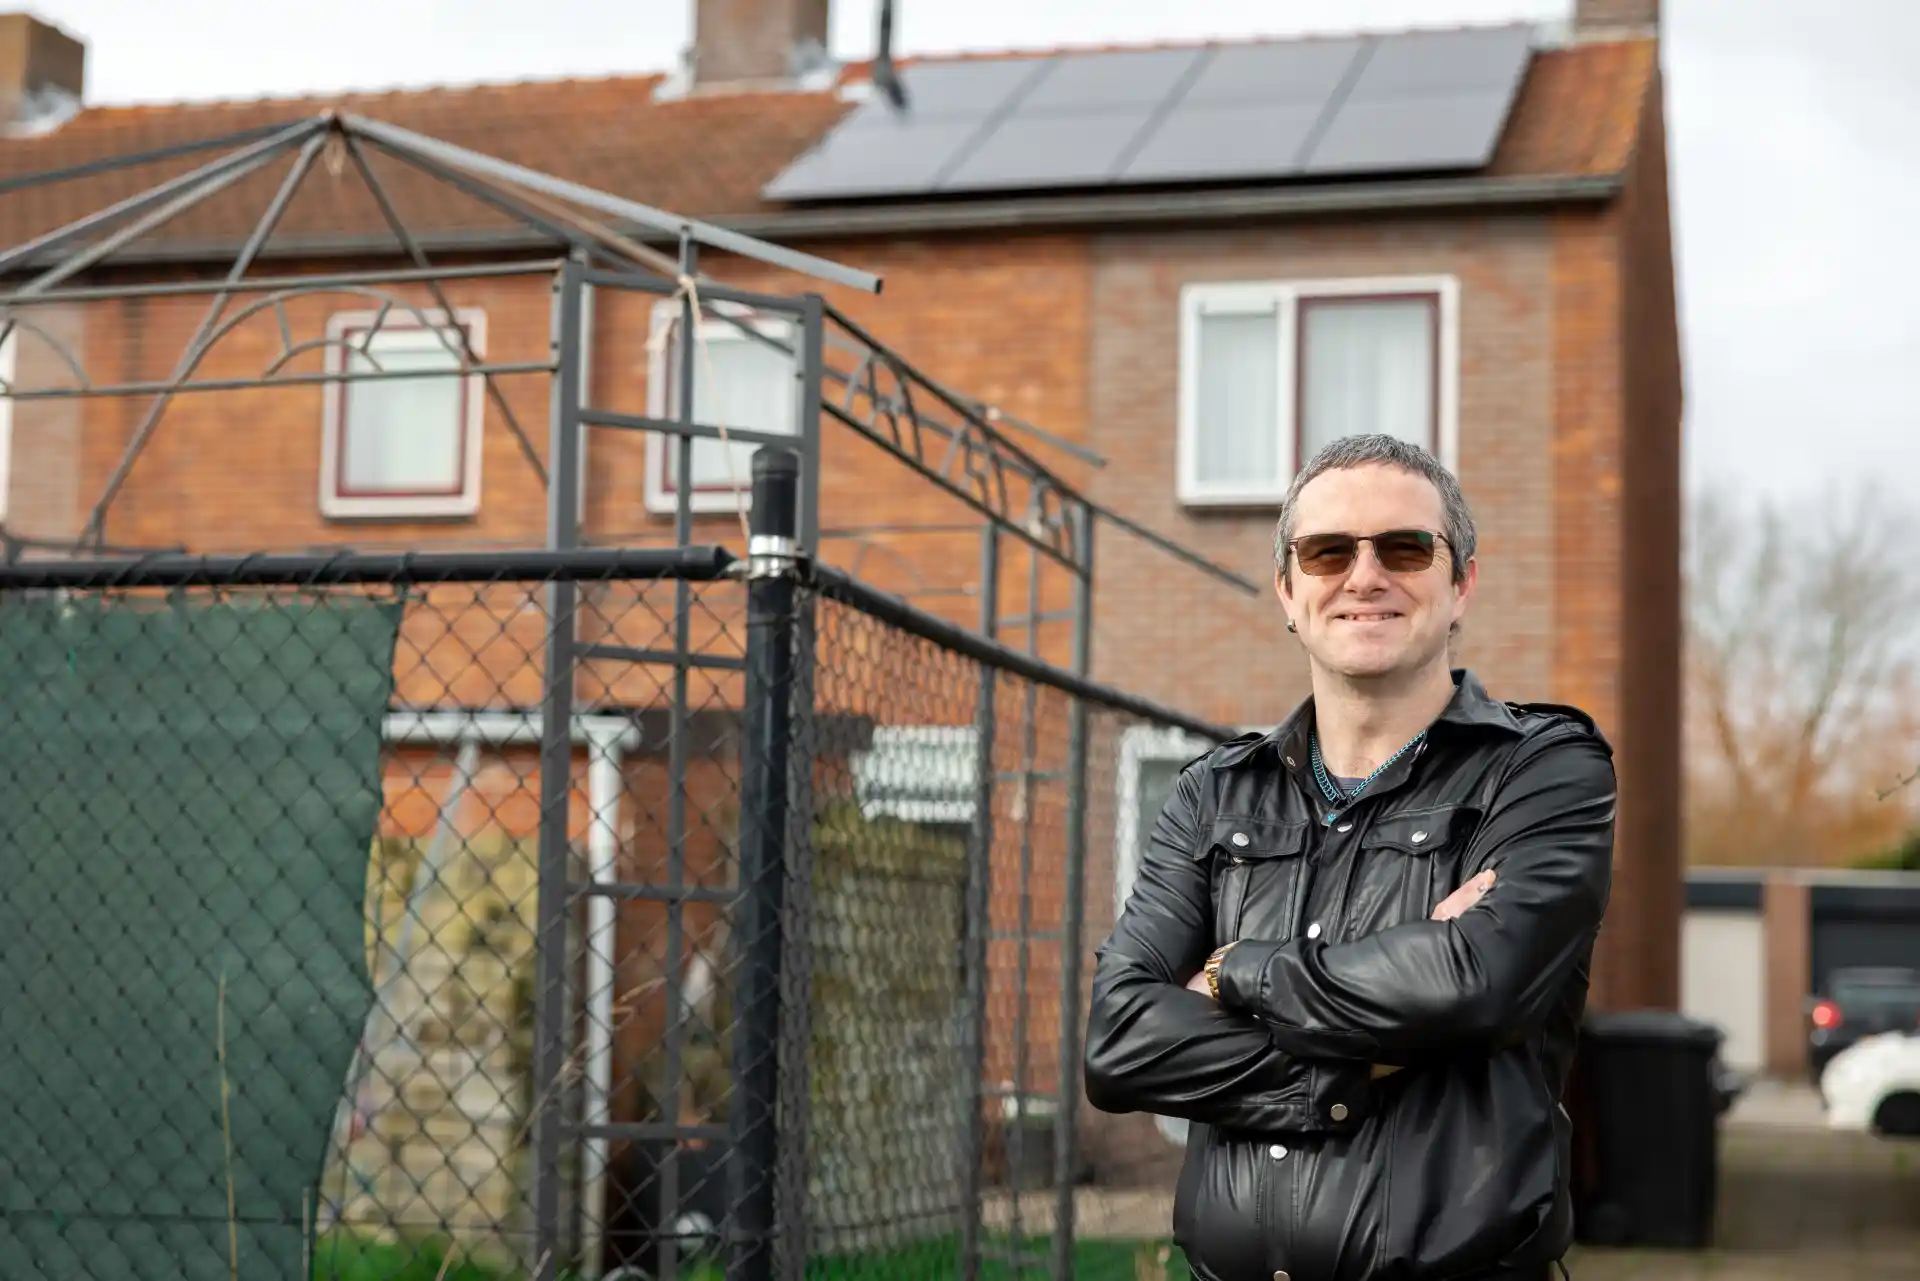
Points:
x=1313, y=931
x=1278, y=1151
x=1240, y=838
x=1344, y=827
x=1338, y=1112
x=1418, y=837
x=1281, y=1276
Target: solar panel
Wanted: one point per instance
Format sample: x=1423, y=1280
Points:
x=1075, y=124
x=877, y=151
x=1293, y=71
x=973, y=88
x=1387, y=104
x=874, y=158
x=1425, y=100
x=1452, y=132
x=1060, y=150
x=1422, y=63
x=1199, y=143
x=1091, y=82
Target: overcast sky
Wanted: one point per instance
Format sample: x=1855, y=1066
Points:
x=1793, y=123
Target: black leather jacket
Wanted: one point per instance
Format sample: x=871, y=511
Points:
x=1300, y=1160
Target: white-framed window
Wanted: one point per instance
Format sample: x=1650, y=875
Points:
x=738, y=383
x=1151, y=757
x=1271, y=371
x=402, y=447
x=1150, y=761
x=918, y=774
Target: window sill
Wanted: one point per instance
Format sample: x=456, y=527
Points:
x=705, y=504
x=399, y=509
x=1234, y=501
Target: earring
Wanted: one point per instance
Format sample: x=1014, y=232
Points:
x=1292, y=627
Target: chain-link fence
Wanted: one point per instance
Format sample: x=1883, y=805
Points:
x=336, y=954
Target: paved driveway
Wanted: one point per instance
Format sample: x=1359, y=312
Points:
x=1796, y=1202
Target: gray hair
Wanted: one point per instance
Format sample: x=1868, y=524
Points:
x=1390, y=451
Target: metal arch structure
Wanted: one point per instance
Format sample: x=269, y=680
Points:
x=588, y=240
x=954, y=442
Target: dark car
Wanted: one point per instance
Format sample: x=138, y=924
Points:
x=1860, y=1001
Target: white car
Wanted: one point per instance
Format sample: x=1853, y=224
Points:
x=1874, y=1085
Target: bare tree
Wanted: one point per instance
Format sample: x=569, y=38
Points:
x=1803, y=631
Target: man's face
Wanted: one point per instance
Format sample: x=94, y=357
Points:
x=1367, y=619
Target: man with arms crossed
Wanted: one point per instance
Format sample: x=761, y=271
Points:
x=1355, y=957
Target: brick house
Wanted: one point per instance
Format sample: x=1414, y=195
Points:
x=1516, y=314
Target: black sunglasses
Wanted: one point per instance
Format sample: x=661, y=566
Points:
x=1399, y=551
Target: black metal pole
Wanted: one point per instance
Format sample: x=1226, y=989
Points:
x=764, y=783
x=796, y=977
x=1066, y=1135
x=979, y=902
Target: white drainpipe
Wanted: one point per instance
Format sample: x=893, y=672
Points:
x=607, y=740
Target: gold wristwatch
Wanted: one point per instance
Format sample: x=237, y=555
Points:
x=1212, y=968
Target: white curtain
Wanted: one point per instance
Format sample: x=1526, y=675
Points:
x=403, y=434
x=1238, y=438
x=1367, y=366
x=737, y=382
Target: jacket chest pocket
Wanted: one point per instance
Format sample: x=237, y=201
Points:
x=1256, y=877
x=1413, y=860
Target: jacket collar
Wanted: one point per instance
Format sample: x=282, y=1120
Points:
x=1470, y=706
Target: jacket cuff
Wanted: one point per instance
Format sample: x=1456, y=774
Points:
x=1242, y=972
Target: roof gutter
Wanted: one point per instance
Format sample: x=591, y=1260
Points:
x=1160, y=208
x=1024, y=213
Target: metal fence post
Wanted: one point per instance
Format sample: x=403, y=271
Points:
x=794, y=1246
x=764, y=781
x=556, y=781
x=1066, y=1134
x=979, y=911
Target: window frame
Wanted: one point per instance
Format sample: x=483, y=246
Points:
x=339, y=503
x=1140, y=745
x=956, y=810
x=1288, y=300
x=663, y=367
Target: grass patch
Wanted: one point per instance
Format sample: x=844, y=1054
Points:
x=346, y=1258
x=343, y=1257
x=1093, y=1260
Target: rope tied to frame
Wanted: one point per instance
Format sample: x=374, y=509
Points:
x=688, y=289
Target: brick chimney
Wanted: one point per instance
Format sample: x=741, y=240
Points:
x=1616, y=19
x=767, y=43
x=43, y=73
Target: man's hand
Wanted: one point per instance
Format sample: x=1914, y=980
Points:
x=1458, y=902
x=1198, y=983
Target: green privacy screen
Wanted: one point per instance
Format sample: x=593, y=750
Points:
x=189, y=788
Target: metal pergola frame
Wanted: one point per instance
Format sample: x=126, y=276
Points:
x=953, y=443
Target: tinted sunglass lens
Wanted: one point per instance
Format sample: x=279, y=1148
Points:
x=1404, y=551
x=1326, y=553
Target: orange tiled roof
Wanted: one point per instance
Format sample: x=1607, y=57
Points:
x=707, y=156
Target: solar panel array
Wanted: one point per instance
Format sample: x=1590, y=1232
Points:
x=1414, y=101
